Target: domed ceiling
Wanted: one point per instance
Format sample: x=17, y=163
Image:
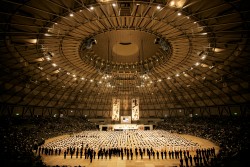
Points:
x=77, y=54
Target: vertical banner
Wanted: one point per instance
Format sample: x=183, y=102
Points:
x=115, y=109
x=135, y=109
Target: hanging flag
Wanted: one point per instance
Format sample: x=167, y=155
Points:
x=135, y=109
x=115, y=109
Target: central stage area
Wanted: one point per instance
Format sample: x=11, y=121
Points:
x=117, y=127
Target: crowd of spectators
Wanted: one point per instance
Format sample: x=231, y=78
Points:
x=229, y=133
x=19, y=136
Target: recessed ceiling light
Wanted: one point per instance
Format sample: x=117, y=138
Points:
x=71, y=14
x=211, y=67
x=172, y=3
x=48, y=58
x=203, y=57
x=196, y=64
x=91, y=8
x=158, y=7
x=114, y=4
x=54, y=64
x=47, y=35
x=218, y=49
x=179, y=13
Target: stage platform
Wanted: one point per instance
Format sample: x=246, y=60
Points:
x=117, y=127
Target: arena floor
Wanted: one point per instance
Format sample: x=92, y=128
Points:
x=118, y=162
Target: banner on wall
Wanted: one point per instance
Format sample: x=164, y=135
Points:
x=115, y=109
x=135, y=109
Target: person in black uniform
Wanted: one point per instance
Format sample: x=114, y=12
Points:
x=122, y=154
x=136, y=153
x=180, y=153
x=191, y=160
x=81, y=153
x=181, y=162
x=65, y=153
x=94, y=153
x=91, y=155
x=186, y=161
x=172, y=154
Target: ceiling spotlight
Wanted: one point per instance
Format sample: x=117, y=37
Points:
x=82, y=78
x=54, y=65
x=158, y=7
x=179, y=13
x=137, y=4
x=168, y=78
x=48, y=58
x=177, y=75
x=172, y=3
x=71, y=14
x=91, y=8
x=203, y=57
x=196, y=64
x=47, y=35
x=114, y=4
